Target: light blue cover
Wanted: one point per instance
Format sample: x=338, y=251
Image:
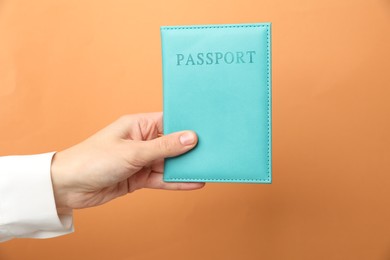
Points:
x=217, y=82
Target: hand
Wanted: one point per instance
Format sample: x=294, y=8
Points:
x=121, y=158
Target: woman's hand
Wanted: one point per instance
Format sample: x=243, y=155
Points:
x=121, y=158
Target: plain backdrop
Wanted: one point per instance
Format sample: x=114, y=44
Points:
x=68, y=68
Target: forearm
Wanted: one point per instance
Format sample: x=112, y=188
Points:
x=27, y=205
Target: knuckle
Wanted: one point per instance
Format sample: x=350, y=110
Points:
x=125, y=118
x=132, y=183
x=134, y=157
x=142, y=122
x=165, y=145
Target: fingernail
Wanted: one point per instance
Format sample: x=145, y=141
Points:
x=187, y=138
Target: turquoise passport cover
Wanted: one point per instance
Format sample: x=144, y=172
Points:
x=217, y=82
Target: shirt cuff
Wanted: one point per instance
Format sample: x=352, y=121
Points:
x=27, y=204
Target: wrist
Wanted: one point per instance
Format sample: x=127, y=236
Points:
x=57, y=178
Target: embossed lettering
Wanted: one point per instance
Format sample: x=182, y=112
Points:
x=240, y=55
x=209, y=56
x=200, y=59
x=250, y=55
x=218, y=56
x=190, y=60
x=226, y=56
x=215, y=58
x=180, y=57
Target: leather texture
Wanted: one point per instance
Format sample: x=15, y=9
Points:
x=217, y=82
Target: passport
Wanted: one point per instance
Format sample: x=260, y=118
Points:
x=217, y=82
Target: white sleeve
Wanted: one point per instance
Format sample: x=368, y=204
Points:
x=27, y=205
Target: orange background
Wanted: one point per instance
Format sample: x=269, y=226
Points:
x=68, y=68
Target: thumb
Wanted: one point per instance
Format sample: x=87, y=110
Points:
x=168, y=145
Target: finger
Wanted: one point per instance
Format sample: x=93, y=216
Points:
x=167, y=146
x=155, y=181
x=158, y=119
x=128, y=125
x=155, y=118
x=158, y=166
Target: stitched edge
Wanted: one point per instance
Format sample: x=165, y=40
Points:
x=211, y=26
x=216, y=180
x=268, y=103
x=268, y=99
